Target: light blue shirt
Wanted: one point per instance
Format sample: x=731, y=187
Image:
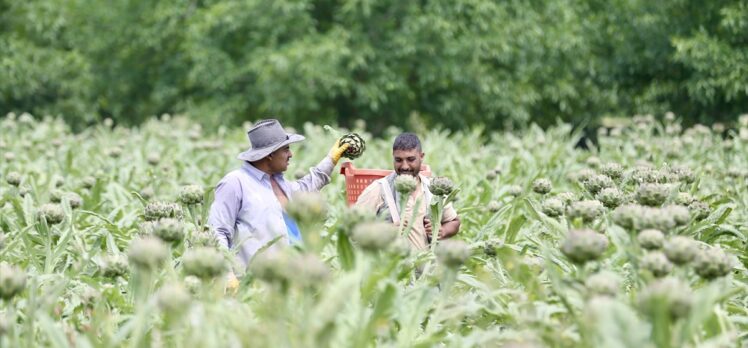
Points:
x=246, y=214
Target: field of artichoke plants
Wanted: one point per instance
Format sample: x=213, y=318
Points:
x=639, y=241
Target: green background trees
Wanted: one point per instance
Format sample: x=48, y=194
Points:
x=456, y=63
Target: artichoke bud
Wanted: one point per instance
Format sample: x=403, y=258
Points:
x=356, y=147
x=157, y=210
x=542, y=186
x=611, y=197
x=55, y=196
x=684, y=198
x=441, y=186
x=405, y=184
x=652, y=194
x=553, y=207
x=612, y=170
x=584, y=245
x=452, y=253
x=307, y=207
x=13, y=179
x=153, y=159
x=699, y=210
x=204, y=262
x=595, y=183
x=114, y=265
x=73, y=199
x=657, y=263
x=114, y=152
x=651, y=239
x=169, y=230
x=310, y=270
x=680, y=214
x=52, y=213
x=712, y=263
x=493, y=206
x=588, y=210
x=12, y=281
x=374, y=236
x=671, y=292
x=680, y=250
x=603, y=283
x=147, y=253
x=191, y=194
x=515, y=190
x=173, y=298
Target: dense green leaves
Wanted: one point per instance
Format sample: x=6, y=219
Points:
x=456, y=63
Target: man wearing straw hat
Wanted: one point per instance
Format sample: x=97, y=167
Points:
x=249, y=207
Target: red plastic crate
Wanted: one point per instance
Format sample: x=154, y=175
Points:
x=356, y=180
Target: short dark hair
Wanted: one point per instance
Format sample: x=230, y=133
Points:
x=406, y=141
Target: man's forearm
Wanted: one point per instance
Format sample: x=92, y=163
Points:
x=449, y=229
x=318, y=176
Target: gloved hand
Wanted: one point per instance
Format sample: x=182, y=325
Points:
x=232, y=284
x=337, y=151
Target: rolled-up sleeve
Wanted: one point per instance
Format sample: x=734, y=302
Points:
x=449, y=213
x=318, y=177
x=371, y=197
x=225, y=208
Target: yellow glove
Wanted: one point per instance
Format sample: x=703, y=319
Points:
x=232, y=285
x=337, y=151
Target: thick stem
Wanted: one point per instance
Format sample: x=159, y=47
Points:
x=436, y=218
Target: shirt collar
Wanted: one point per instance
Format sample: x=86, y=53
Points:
x=260, y=175
x=256, y=173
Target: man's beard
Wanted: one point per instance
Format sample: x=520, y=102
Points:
x=407, y=172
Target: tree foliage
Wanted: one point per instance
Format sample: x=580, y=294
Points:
x=455, y=63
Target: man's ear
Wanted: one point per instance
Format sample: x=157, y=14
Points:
x=423, y=154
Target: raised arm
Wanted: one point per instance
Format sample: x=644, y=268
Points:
x=319, y=175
